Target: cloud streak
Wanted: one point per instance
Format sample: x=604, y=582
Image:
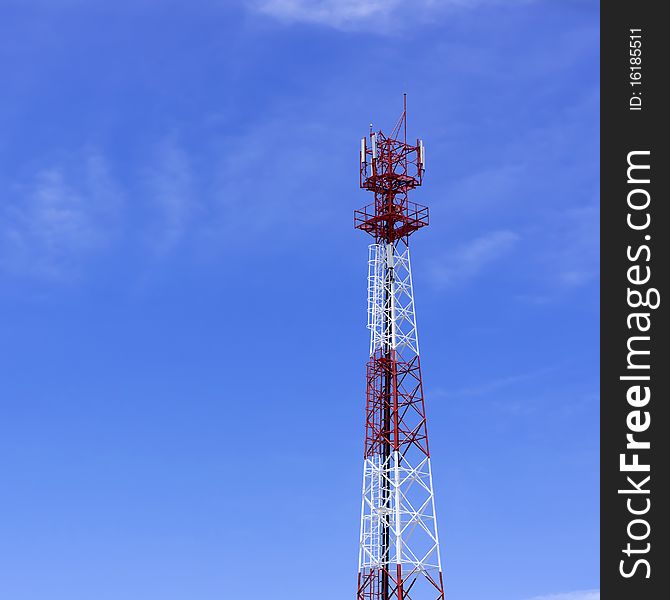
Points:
x=52, y=222
x=169, y=184
x=577, y=257
x=465, y=262
x=494, y=385
x=577, y=595
x=350, y=14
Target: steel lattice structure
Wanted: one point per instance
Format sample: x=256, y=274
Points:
x=399, y=554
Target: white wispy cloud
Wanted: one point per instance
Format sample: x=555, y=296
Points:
x=348, y=14
x=466, y=261
x=576, y=595
x=577, y=256
x=567, y=253
x=270, y=176
x=337, y=13
x=494, y=385
x=169, y=186
x=53, y=221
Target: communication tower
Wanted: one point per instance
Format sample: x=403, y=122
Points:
x=399, y=556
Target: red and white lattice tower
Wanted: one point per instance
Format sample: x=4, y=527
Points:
x=399, y=553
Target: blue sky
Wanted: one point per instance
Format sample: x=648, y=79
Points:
x=182, y=295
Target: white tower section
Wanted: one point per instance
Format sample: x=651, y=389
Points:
x=398, y=531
